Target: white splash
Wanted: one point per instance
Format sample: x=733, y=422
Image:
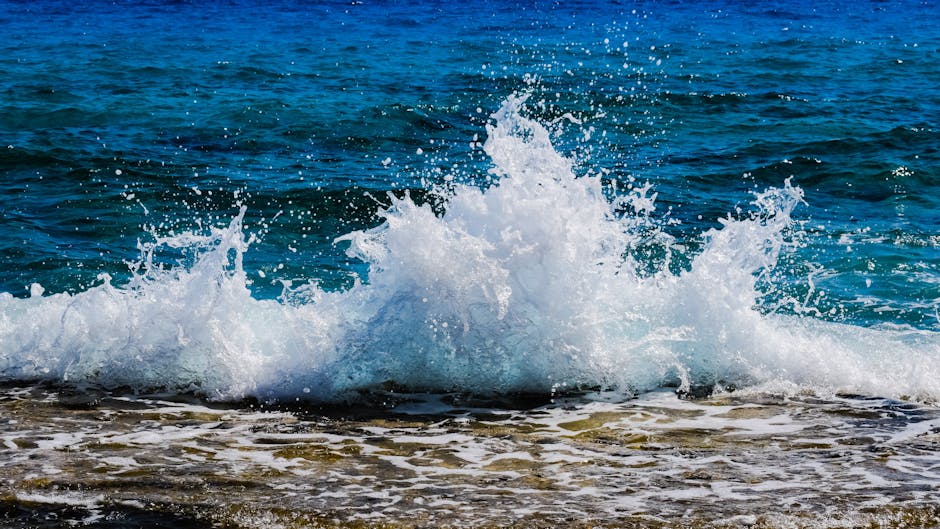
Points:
x=525, y=286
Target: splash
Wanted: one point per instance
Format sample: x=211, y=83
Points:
x=527, y=286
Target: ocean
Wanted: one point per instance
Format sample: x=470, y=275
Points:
x=502, y=263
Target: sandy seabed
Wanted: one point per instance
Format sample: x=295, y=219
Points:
x=95, y=459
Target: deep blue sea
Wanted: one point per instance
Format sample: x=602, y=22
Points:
x=304, y=199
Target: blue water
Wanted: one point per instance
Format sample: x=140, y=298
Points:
x=129, y=129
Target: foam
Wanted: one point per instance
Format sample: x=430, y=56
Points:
x=527, y=286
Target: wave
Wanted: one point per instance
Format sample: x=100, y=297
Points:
x=534, y=284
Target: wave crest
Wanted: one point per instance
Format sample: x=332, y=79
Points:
x=529, y=285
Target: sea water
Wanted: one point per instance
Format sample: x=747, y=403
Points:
x=285, y=210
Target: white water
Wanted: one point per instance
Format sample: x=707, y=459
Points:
x=522, y=287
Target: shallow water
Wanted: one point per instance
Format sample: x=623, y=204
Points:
x=106, y=460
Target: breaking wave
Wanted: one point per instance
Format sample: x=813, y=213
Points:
x=529, y=285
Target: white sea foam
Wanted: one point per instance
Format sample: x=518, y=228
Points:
x=523, y=286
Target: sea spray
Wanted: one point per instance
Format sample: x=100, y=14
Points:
x=529, y=285
x=504, y=291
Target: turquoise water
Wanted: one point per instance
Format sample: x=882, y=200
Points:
x=684, y=195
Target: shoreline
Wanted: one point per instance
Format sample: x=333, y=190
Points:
x=653, y=461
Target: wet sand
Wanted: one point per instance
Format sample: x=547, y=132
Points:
x=92, y=459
